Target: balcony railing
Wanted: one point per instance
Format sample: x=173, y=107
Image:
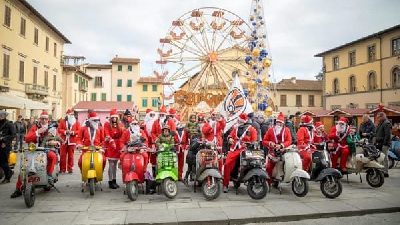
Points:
x=83, y=87
x=36, y=89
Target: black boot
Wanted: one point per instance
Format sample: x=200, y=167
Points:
x=111, y=185
x=115, y=183
x=16, y=193
x=154, y=171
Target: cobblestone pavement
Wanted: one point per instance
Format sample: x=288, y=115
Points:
x=113, y=207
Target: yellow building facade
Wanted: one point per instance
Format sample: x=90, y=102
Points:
x=149, y=94
x=125, y=73
x=363, y=73
x=30, y=62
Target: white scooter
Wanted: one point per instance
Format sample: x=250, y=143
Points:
x=367, y=160
x=288, y=169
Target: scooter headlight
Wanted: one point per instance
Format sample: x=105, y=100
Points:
x=32, y=147
x=92, y=148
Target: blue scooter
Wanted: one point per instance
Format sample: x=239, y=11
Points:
x=394, y=152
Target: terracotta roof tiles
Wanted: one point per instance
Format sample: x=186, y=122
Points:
x=149, y=80
x=294, y=84
x=103, y=105
x=125, y=60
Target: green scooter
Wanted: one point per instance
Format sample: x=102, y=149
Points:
x=167, y=170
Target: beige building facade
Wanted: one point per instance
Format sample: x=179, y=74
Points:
x=100, y=86
x=125, y=74
x=363, y=73
x=30, y=61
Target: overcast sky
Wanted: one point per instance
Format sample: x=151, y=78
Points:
x=297, y=29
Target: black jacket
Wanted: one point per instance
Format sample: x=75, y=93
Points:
x=264, y=128
x=7, y=131
x=368, y=128
x=20, y=127
x=383, y=133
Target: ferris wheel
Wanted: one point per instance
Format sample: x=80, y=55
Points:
x=201, y=49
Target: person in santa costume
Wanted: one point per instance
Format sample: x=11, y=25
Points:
x=181, y=140
x=36, y=135
x=68, y=130
x=242, y=132
x=113, y=130
x=320, y=136
x=305, y=140
x=148, y=125
x=276, y=138
x=338, y=135
x=133, y=134
x=173, y=115
x=90, y=134
x=213, y=130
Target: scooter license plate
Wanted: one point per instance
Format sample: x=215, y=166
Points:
x=33, y=179
x=208, y=165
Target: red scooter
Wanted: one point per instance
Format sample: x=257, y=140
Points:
x=133, y=169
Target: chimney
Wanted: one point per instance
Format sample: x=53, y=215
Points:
x=116, y=56
x=293, y=80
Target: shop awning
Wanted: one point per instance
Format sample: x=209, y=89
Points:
x=16, y=102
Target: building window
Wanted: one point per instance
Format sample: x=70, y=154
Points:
x=372, y=105
x=371, y=81
x=55, y=50
x=311, y=100
x=283, y=100
x=129, y=67
x=119, y=83
x=128, y=98
x=336, y=89
x=396, y=77
x=36, y=39
x=336, y=63
x=103, y=97
x=334, y=107
x=352, y=58
x=76, y=78
x=93, y=97
x=46, y=79
x=352, y=106
x=396, y=46
x=35, y=74
x=7, y=16
x=75, y=97
x=6, y=65
x=21, y=71
x=22, y=30
x=371, y=53
x=352, y=84
x=144, y=102
x=47, y=44
x=154, y=87
x=129, y=84
x=144, y=87
x=298, y=101
x=154, y=102
x=98, y=81
x=119, y=67
x=119, y=98
x=54, y=82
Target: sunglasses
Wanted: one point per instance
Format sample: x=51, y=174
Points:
x=134, y=123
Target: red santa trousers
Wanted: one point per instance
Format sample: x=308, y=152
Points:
x=229, y=164
x=344, y=154
x=306, y=160
x=67, y=158
x=51, y=162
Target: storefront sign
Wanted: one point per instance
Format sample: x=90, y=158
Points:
x=189, y=98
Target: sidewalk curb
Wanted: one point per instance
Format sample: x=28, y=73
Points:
x=286, y=218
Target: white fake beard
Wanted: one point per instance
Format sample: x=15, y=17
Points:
x=149, y=124
x=95, y=125
x=340, y=129
x=45, y=126
x=71, y=120
x=135, y=128
x=277, y=130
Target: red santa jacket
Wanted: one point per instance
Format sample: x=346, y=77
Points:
x=114, y=133
x=305, y=138
x=181, y=140
x=126, y=137
x=210, y=134
x=63, y=127
x=339, y=140
x=33, y=137
x=249, y=134
x=284, y=138
x=85, y=137
x=319, y=138
x=156, y=130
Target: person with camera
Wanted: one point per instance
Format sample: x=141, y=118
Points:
x=20, y=130
x=383, y=138
x=7, y=134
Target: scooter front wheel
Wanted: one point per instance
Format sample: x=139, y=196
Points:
x=29, y=195
x=170, y=188
x=92, y=186
x=300, y=186
x=132, y=190
x=375, y=178
x=257, y=188
x=331, y=187
x=211, y=188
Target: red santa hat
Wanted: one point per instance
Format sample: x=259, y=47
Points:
x=69, y=112
x=318, y=124
x=44, y=114
x=172, y=111
x=93, y=116
x=148, y=111
x=306, y=119
x=133, y=120
x=280, y=118
x=243, y=118
x=113, y=113
x=163, y=110
x=343, y=120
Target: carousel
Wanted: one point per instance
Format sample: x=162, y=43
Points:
x=204, y=48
